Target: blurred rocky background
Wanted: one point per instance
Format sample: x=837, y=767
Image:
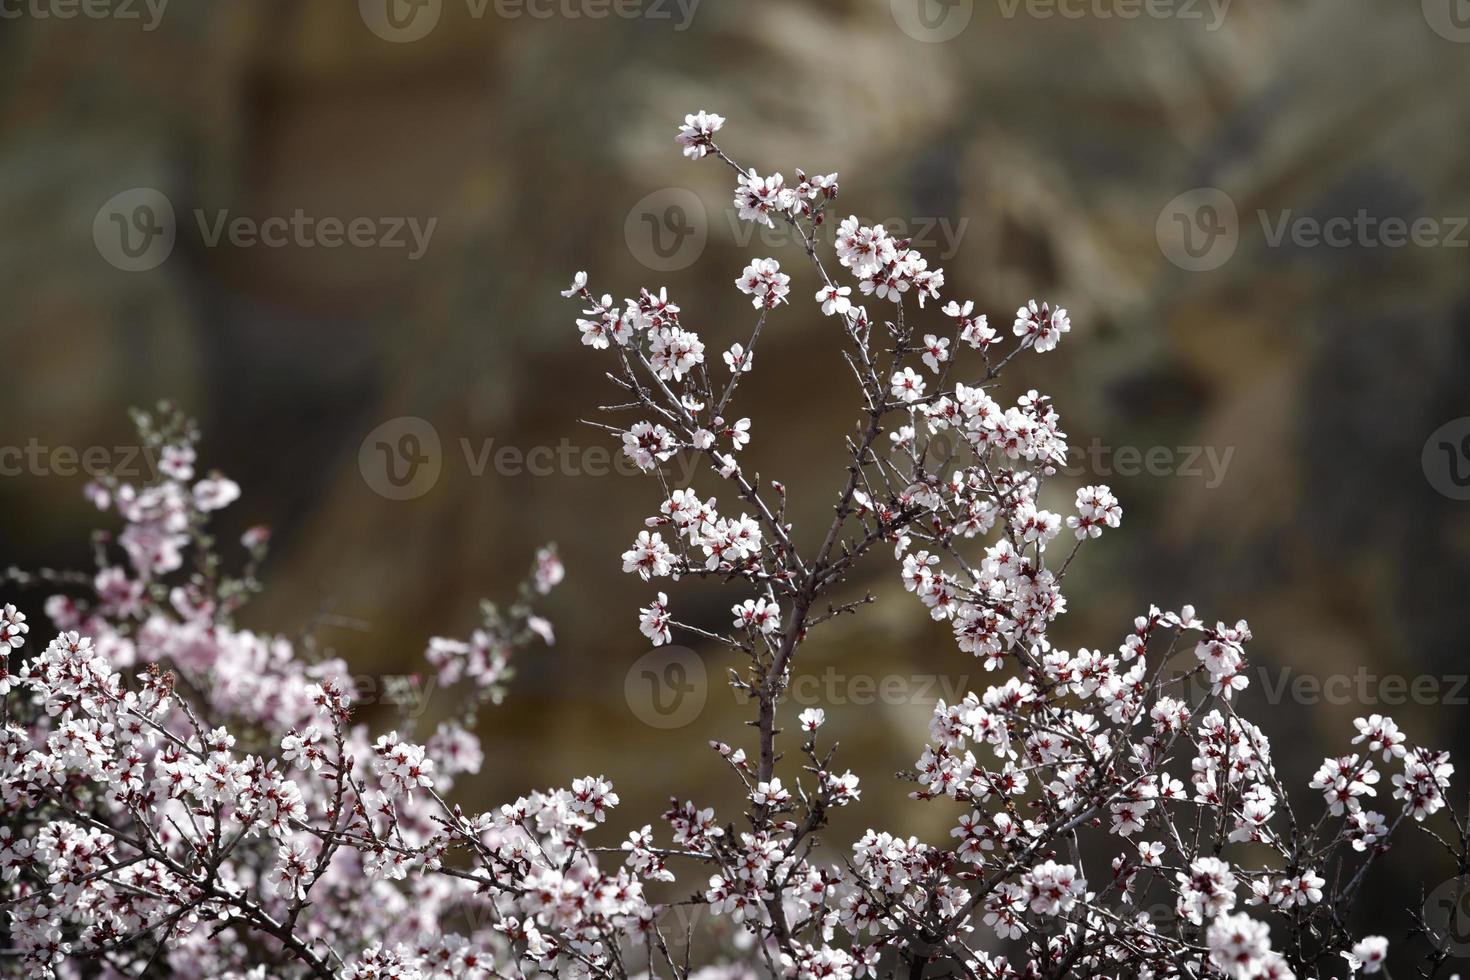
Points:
x=1269, y=407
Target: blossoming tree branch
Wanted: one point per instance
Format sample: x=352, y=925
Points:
x=187, y=798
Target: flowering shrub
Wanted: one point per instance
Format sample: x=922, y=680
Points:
x=190, y=798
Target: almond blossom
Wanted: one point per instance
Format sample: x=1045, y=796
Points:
x=188, y=797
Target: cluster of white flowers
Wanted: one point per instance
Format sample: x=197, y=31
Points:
x=1153, y=756
x=765, y=283
x=221, y=813
x=762, y=199
x=696, y=136
x=220, y=810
